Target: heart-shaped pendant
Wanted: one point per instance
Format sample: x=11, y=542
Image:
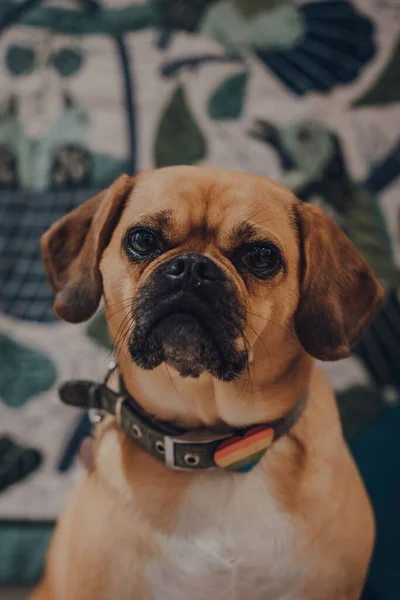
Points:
x=241, y=453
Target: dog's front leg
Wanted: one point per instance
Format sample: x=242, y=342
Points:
x=42, y=592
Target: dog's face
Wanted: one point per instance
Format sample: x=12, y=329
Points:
x=202, y=268
x=195, y=257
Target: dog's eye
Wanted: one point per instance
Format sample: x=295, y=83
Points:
x=262, y=259
x=142, y=242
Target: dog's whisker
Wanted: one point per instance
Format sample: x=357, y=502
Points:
x=287, y=330
x=264, y=345
x=120, y=329
x=255, y=332
x=173, y=383
x=257, y=315
x=247, y=381
x=125, y=335
x=108, y=358
x=269, y=320
x=258, y=337
x=125, y=303
x=124, y=330
x=114, y=343
x=117, y=312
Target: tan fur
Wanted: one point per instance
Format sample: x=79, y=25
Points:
x=123, y=525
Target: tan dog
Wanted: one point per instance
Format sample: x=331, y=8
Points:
x=255, y=284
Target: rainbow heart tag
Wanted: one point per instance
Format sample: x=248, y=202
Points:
x=242, y=453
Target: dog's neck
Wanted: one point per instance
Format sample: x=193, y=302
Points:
x=262, y=394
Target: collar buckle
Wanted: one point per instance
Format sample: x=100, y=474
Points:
x=187, y=452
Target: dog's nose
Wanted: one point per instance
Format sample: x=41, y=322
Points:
x=192, y=270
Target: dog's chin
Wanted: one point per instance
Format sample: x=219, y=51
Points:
x=181, y=341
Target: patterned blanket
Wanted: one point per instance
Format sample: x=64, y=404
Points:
x=303, y=91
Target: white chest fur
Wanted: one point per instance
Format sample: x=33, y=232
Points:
x=231, y=542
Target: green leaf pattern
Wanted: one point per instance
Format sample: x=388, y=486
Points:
x=179, y=139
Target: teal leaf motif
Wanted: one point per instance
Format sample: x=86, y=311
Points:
x=18, y=462
x=359, y=406
x=97, y=331
x=251, y=8
x=24, y=372
x=20, y=60
x=179, y=139
x=226, y=102
x=67, y=61
x=71, y=21
x=386, y=89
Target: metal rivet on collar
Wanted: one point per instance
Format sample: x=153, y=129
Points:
x=159, y=445
x=136, y=431
x=192, y=460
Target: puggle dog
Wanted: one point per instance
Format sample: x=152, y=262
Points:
x=220, y=289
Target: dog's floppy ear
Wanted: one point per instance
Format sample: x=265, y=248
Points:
x=339, y=293
x=72, y=248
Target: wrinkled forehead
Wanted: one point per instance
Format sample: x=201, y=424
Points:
x=216, y=203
